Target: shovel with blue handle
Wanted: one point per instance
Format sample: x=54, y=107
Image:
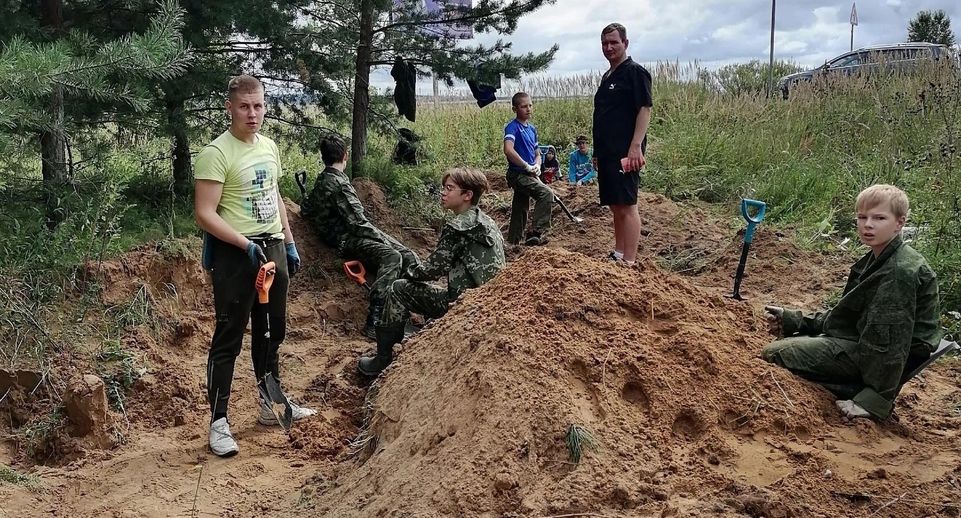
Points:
x=747, y=206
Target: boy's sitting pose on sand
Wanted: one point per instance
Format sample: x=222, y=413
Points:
x=469, y=253
x=887, y=316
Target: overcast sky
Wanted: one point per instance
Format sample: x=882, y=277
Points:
x=712, y=32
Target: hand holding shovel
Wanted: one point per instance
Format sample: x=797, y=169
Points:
x=270, y=390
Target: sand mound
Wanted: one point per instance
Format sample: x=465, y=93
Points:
x=663, y=374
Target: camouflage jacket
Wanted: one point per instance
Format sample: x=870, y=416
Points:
x=470, y=252
x=335, y=212
x=889, y=305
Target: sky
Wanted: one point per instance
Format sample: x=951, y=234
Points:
x=711, y=32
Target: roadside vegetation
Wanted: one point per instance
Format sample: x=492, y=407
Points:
x=715, y=137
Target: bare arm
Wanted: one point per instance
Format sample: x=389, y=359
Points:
x=514, y=158
x=288, y=233
x=206, y=198
x=635, y=155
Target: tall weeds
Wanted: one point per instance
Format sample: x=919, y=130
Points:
x=807, y=157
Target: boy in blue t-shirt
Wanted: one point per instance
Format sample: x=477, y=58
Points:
x=523, y=167
x=580, y=168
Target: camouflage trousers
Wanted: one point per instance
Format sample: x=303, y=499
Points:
x=526, y=187
x=405, y=296
x=869, y=378
x=386, y=255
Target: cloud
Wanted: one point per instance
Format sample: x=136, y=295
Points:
x=710, y=32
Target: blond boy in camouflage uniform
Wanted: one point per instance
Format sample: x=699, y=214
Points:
x=887, y=316
x=470, y=252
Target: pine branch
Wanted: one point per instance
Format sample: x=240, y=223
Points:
x=475, y=14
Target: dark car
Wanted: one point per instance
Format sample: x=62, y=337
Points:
x=900, y=57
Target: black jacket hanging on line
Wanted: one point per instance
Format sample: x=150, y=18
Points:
x=405, y=92
x=483, y=85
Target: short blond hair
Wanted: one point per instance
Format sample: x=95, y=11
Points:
x=243, y=84
x=469, y=180
x=880, y=193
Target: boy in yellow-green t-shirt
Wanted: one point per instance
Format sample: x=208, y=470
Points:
x=238, y=205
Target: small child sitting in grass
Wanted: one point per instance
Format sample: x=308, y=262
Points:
x=550, y=166
x=887, y=317
x=580, y=167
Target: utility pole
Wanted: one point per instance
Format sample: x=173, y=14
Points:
x=770, y=68
x=854, y=22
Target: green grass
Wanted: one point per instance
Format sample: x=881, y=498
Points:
x=119, y=369
x=577, y=439
x=807, y=158
x=9, y=475
x=36, y=437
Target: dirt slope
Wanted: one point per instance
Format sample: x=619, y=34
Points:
x=471, y=420
x=476, y=427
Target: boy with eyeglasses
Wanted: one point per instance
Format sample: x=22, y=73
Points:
x=470, y=252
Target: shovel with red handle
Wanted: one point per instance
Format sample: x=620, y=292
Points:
x=270, y=390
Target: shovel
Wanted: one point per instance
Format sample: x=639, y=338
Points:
x=355, y=271
x=575, y=219
x=270, y=389
x=301, y=178
x=752, y=222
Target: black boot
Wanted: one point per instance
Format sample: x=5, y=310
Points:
x=387, y=336
x=536, y=239
x=373, y=318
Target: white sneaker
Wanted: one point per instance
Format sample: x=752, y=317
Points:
x=851, y=409
x=268, y=418
x=222, y=442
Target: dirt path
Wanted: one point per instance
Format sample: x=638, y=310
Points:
x=163, y=468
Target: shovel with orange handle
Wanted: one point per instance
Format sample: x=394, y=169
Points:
x=355, y=271
x=270, y=390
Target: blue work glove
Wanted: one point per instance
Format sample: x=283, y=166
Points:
x=293, y=259
x=256, y=254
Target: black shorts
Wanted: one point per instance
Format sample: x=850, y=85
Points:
x=616, y=188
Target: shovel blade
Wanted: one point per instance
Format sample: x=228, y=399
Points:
x=273, y=394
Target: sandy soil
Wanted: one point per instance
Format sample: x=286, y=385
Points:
x=471, y=418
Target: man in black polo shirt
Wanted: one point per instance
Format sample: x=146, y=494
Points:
x=622, y=114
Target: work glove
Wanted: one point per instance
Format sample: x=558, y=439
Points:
x=293, y=258
x=256, y=254
x=534, y=170
x=775, y=320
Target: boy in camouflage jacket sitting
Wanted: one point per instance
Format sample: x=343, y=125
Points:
x=886, y=319
x=470, y=252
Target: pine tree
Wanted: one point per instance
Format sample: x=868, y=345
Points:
x=43, y=66
x=227, y=37
x=348, y=38
x=931, y=27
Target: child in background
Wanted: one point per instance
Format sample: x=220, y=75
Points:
x=550, y=166
x=523, y=168
x=580, y=169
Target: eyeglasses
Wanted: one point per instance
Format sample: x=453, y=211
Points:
x=452, y=188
